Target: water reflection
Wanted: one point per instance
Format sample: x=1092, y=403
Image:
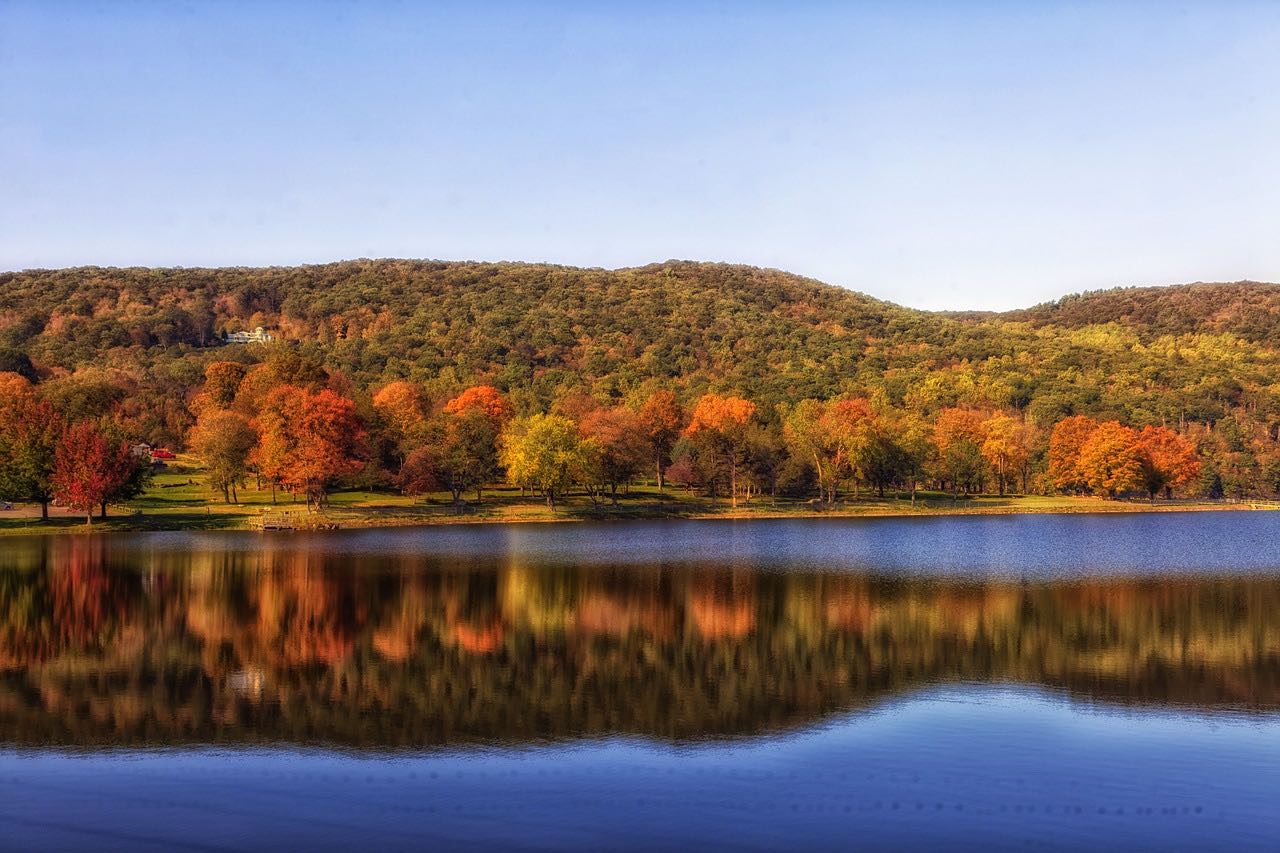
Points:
x=102, y=644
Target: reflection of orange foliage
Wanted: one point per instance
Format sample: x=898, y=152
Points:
x=299, y=627
x=392, y=643
x=718, y=614
x=478, y=639
x=609, y=615
x=849, y=612
x=311, y=617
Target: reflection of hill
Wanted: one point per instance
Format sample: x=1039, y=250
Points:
x=99, y=645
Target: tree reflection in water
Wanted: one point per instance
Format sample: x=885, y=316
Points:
x=107, y=645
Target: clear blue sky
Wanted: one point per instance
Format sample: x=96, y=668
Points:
x=980, y=155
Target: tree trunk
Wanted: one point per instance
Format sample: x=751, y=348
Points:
x=659, y=475
x=104, y=510
x=44, y=510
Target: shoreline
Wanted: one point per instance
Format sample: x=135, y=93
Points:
x=247, y=518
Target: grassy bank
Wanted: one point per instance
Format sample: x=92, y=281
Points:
x=178, y=499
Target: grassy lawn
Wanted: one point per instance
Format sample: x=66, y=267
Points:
x=179, y=499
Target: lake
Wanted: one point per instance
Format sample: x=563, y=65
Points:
x=952, y=682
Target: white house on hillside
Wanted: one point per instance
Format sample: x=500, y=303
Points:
x=257, y=336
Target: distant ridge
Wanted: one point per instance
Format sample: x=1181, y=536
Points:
x=538, y=329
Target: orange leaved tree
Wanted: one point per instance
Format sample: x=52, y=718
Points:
x=307, y=440
x=1169, y=461
x=958, y=435
x=719, y=425
x=484, y=399
x=662, y=418
x=1111, y=461
x=1067, y=440
x=400, y=406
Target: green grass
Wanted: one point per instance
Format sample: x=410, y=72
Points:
x=179, y=499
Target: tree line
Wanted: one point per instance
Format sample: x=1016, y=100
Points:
x=292, y=426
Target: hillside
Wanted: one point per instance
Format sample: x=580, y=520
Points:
x=518, y=324
x=1249, y=309
x=1190, y=353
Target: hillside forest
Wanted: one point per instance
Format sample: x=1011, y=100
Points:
x=431, y=377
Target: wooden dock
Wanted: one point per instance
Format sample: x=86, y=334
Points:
x=294, y=521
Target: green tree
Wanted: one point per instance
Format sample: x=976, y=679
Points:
x=223, y=440
x=544, y=452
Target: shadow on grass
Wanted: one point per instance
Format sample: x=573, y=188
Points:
x=168, y=521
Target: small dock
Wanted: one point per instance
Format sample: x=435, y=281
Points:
x=294, y=521
x=277, y=521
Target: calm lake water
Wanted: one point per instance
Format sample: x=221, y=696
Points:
x=976, y=682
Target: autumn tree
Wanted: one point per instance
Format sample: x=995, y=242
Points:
x=223, y=440
x=89, y=467
x=544, y=452
x=856, y=441
x=913, y=438
x=1111, y=460
x=420, y=473
x=621, y=438
x=684, y=470
x=804, y=430
x=1066, y=442
x=222, y=381
x=30, y=429
x=486, y=400
x=839, y=439
x=958, y=435
x=1169, y=461
x=719, y=425
x=766, y=457
x=401, y=407
x=884, y=459
x=460, y=454
x=14, y=386
x=307, y=440
x=1004, y=447
x=662, y=419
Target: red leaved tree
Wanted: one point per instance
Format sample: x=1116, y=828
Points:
x=89, y=467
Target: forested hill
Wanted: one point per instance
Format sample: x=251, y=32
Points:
x=542, y=332
x=1249, y=309
x=513, y=323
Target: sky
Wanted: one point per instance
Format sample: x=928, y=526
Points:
x=940, y=155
